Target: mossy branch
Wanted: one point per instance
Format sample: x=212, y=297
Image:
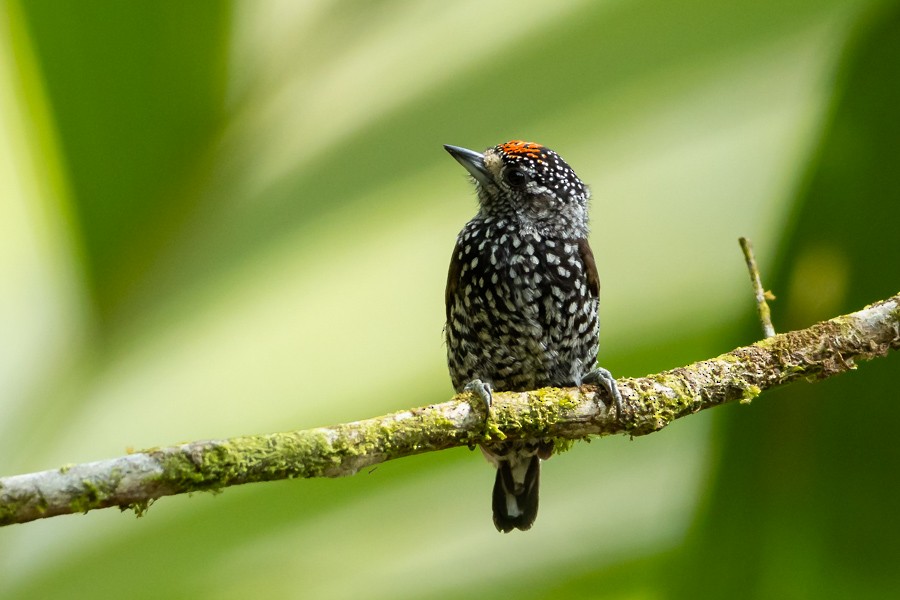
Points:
x=651, y=403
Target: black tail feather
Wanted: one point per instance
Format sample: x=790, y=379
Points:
x=516, y=505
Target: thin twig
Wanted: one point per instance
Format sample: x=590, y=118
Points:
x=563, y=414
x=765, y=316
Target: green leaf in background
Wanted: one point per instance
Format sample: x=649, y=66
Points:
x=137, y=95
x=803, y=503
x=222, y=219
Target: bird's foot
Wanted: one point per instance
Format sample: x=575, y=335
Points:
x=482, y=390
x=601, y=376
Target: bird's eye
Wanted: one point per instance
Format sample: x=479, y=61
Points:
x=515, y=178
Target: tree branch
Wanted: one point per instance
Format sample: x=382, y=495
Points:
x=762, y=308
x=565, y=414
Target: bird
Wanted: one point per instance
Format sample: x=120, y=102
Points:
x=522, y=301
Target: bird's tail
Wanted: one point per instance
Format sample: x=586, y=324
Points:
x=516, y=487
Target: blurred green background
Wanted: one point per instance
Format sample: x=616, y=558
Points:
x=230, y=218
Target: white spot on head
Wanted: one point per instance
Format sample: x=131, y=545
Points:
x=493, y=162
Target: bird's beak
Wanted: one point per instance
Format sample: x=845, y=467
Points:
x=472, y=161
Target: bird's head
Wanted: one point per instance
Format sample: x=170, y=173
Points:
x=528, y=182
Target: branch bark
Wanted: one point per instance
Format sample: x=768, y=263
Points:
x=564, y=414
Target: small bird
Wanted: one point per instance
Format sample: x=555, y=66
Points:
x=521, y=301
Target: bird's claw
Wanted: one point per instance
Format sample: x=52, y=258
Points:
x=601, y=376
x=482, y=390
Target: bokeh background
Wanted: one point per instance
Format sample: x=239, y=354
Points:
x=223, y=218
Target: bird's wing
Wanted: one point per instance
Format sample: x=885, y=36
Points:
x=590, y=267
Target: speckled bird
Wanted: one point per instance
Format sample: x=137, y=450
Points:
x=521, y=300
